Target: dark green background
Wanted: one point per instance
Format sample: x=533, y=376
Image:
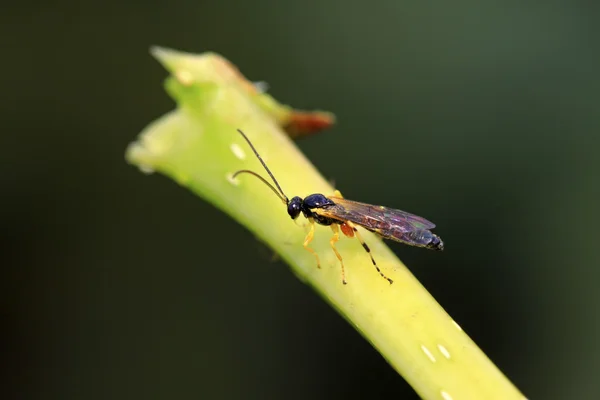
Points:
x=481, y=116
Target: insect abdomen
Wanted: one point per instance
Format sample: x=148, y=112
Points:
x=420, y=238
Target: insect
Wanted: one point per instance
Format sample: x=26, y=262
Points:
x=345, y=215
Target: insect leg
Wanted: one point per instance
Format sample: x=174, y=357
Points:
x=309, y=239
x=346, y=230
x=368, y=250
x=332, y=242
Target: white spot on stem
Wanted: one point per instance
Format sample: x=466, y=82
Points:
x=445, y=395
x=184, y=77
x=232, y=180
x=444, y=351
x=457, y=325
x=427, y=353
x=237, y=151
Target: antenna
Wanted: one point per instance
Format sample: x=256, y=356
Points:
x=283, y=197
x=246, y=171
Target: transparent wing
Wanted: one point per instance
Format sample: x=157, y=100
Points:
x=375, y=218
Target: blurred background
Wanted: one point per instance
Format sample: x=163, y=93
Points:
x=481, y=116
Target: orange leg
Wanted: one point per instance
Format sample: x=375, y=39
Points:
x=367, y=249
x=309, y=238
x=332, y=242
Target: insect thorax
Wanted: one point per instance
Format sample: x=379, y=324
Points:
x=317, y=201
x=319, y=219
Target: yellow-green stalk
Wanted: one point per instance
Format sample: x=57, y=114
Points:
x=197, y=145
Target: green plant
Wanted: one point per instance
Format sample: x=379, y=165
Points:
x=197, y=145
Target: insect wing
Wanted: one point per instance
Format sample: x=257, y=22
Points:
x=376, y=218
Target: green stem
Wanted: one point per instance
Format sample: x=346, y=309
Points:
x=198, y=146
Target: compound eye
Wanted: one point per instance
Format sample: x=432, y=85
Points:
x=294, y=208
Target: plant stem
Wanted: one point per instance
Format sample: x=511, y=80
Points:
x=198, y=146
